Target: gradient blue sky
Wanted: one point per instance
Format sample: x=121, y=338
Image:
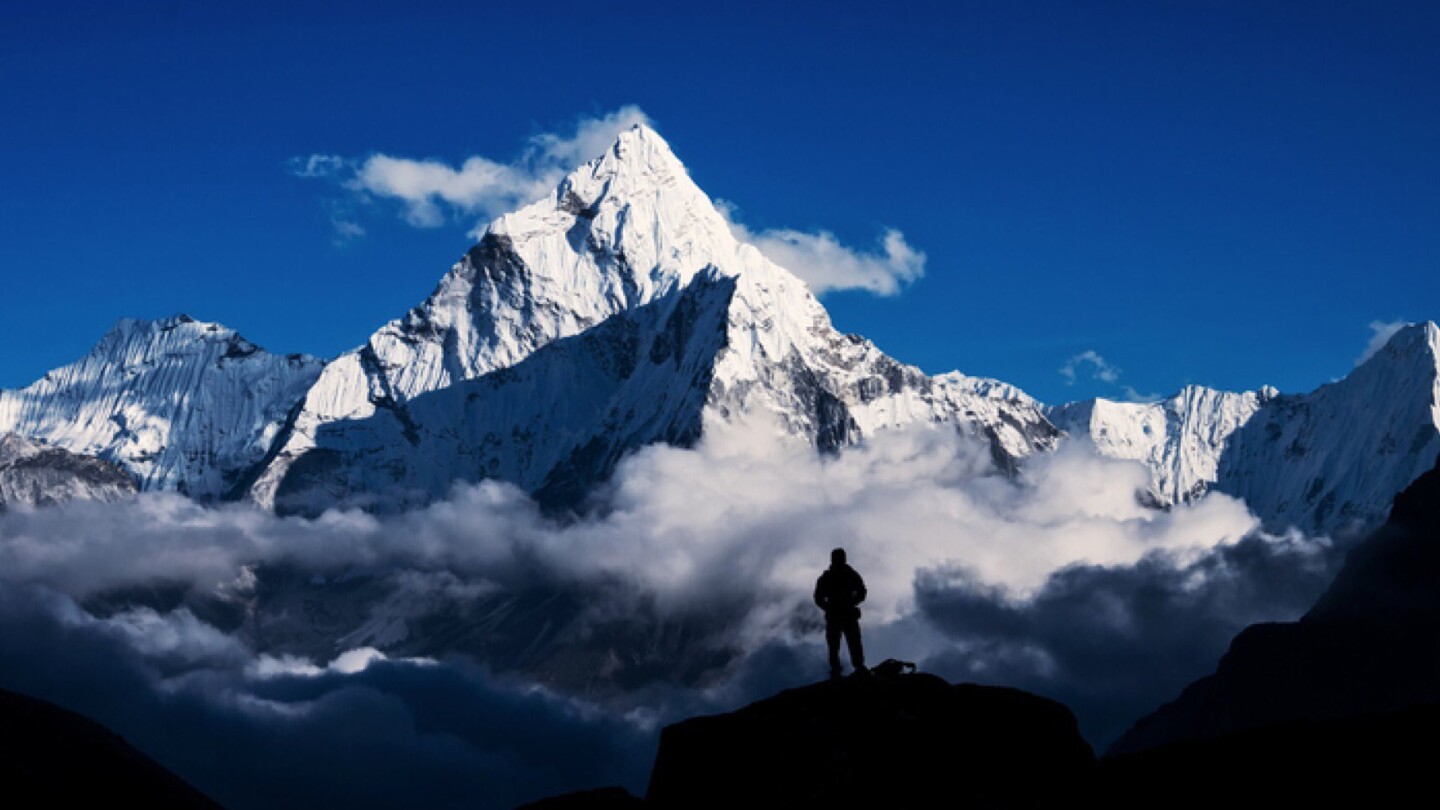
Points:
x=1207, y=192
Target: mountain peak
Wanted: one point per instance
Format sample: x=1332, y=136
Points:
x=1422, y=337
x=638, y=167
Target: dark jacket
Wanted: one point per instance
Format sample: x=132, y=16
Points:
x=839, y=592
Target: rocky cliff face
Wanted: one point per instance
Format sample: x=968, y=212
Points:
x=33, y=474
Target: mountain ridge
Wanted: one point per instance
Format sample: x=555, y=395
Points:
x=439, y=395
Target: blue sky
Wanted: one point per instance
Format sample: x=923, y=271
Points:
x=1217, y=193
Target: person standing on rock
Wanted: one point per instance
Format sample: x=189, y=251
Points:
x=839, y=592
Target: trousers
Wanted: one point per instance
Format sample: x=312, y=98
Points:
x=849, y=627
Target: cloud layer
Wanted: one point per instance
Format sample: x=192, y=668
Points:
x=176, y=618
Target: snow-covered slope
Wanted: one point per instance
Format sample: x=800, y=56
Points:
x=1332, y=460
x=1180, y=439
x=612, y=255
x=1329, y=461
x=32, y=474
x=180, y=404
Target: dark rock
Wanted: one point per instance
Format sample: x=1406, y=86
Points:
x=52, y=757
x=606, y=798
x=1369, y=646
x=885, y=742
x=1378, y=760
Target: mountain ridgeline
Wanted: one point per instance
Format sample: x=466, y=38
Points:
x=622, y=311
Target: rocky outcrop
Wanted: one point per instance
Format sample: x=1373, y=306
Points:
x=52, y=757
x=908, y=740
x=34, y=474
x=1369, y=646
x=1375, y=760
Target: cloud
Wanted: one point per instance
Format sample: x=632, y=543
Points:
x=1380, y=334
x=385, y=734
x=824, y=264
x=403, y=653
x=1114, y=642
x=1102, y=370
x=317, y=165
x=432, y=192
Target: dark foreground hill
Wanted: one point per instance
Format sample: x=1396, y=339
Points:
x=1370, y=646
x=875, y=741
x=53, y=757
x=869, y=741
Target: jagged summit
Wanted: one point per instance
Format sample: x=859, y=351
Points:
x=1332, y=460
x=1180, y=439
x=1328, y=461
x=680, y=323
x=621, y=310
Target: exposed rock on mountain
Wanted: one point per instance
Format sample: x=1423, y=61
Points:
x=33, y=474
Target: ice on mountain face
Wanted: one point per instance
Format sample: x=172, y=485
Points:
x=178, y=403
x=1180, y=439
x=621, y=240
x=33, y=474
x=1326, y=462
x=1332, y=460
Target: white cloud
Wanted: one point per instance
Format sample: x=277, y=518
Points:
x=431, y=192
x=1380, y=334
x=1100, y=369
x=318, y=165
x=825, y=264
x=725, y=539
x=738, y=516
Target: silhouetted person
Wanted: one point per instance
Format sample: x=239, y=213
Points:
x=839, y=592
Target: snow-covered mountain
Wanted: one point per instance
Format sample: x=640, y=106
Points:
x=622, y=311
x=33, y=474
x=1332, y=460
x=1180, y=439
x=1328, y=461
x=618, y=312
x=181, y=404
